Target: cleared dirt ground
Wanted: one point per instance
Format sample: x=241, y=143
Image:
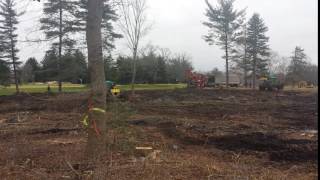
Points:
x=195, y=134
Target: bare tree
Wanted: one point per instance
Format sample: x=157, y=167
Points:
x=133, y=24
x=278, y=64
x=97, y=133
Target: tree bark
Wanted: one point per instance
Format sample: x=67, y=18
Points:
x=15, y=70
x=14, y=65
x=246, y=78
x=96, y=146
x=245, y=61
x=13, y=56
x=60, y=47
x=134, y=72
x=254, y=72
x=227, y=63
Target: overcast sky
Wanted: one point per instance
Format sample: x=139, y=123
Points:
x=177, y=25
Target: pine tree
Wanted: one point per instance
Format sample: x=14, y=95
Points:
x=258, y=48
x=58, y=25
x=49, y=63
x=240, y=52
x=110, y=68
x=29, y=70
x=297, y=65
x=224, y=24
x=74, y=67
x=8, y=37
x=97, y=137
x=4, y=73
x=4, y=67
x=109, y=16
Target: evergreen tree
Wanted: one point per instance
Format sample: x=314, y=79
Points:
x=297, y=65
x=311, y=74
x=224, y=25
x=124, y=69
x=241, y=55
x=8, y=37
x=258, y=48
x=161, y=70
x=110, y=67
x=74, y=67
x=4, y=66
x=147, y=68
x=96, y=145
x=58, y=23
x=177, y=67
x=49, y=71
x=30, y=71
x=4, y=73
x=109, y=16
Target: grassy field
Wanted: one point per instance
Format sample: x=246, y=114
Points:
x=40, y=88
x=67, y=87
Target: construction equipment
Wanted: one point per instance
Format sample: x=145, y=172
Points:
x=219, y=80
x=211, y=81
x=271, y=82
x=113, y=89
x=196, y=80
x=310, y=85
x=302, y=84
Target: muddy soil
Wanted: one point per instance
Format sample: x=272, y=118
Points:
x=195, y=134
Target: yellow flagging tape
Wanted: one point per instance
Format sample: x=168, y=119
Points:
x=98, y=110
x=85, y=120
x=144, y=148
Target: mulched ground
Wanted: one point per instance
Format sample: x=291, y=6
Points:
x=195, y=134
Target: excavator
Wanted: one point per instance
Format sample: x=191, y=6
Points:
x=112, y=88
x=271, y=82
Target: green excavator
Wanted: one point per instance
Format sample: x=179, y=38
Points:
x=113, y=89
x=271, y=82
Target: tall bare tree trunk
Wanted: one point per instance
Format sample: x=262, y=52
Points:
x=133, y=26
x=14, y=66
x=96, y=141
x=227, y=62
x=245, y=60
x=13, y=56
x=254, y=74
x=60, y=46
x=134, y=72
x=246, y=78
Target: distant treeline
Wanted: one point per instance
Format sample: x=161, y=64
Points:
x=154, y=65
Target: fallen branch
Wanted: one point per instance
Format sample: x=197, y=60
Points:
x=73, y=170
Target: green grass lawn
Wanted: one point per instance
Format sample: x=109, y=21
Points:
x=41, y=88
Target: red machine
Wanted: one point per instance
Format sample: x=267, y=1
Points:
x=196, y=79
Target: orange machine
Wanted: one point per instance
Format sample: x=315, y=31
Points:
x=196, y=80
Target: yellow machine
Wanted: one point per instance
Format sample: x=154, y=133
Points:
x=302, y=84
x=271, y=83
x=113, y=89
